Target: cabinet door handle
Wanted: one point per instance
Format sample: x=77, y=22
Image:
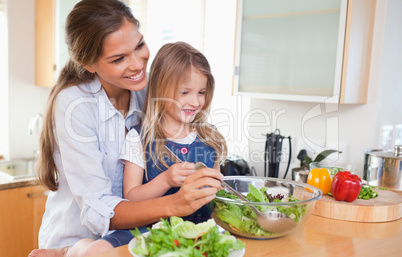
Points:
x=38, y=194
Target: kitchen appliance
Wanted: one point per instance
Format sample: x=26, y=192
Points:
x=235, y=166
x=384, y=168
x=273, y=154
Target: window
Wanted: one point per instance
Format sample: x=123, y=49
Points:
x=164, y=21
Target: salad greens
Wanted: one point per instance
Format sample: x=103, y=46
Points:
x=242, y=218
x=188, y=229
x=184, y=238
x=367, y=192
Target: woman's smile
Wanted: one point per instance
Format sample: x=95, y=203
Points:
x=137, y=77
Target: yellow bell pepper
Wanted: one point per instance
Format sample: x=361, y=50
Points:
x=321, y=179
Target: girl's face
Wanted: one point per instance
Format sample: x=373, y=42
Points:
x=181, y=111
x=124, y=60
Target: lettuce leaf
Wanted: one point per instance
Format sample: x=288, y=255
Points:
x=255, y=194
x=188, y=229
x=215, y=244
x=141, y=247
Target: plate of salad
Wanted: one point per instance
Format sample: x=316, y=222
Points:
x=181, y=238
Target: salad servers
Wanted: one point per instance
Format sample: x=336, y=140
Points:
x=272, y=221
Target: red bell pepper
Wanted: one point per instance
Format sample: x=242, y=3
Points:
x=345, y=186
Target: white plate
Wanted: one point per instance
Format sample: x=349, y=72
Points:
x=131, y=245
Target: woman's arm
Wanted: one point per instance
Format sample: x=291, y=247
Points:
x=198, y=189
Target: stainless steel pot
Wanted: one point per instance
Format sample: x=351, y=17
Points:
x=300, y=174
x=384, y=168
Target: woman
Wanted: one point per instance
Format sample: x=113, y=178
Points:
x=96, y=100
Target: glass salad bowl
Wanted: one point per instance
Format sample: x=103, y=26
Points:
x=294, y=199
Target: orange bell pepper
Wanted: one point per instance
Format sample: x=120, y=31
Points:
x=321, y=179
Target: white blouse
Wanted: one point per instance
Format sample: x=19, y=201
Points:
x=89, y=135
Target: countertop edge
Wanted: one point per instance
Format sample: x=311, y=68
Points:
x=32, y=181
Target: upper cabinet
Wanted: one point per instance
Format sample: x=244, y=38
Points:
x=304, y=50
x=45, y=63
x=50, y=49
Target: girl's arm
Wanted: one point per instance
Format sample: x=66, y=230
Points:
x=135, y=190
x=133, y=187
x=197, y=190
x=217, y=167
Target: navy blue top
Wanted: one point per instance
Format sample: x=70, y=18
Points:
x=197, y=151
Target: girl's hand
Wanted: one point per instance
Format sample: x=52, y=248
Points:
x=177, y=173
x=197, y=190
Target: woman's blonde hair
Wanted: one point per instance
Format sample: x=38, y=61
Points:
x=172, y=66
x=87, y=26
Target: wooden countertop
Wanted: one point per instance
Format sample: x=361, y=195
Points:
x=320, y=236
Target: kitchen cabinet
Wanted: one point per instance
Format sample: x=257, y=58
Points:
x=50, y=49
x=45, y=43
x=20, y=219
x=303, y=50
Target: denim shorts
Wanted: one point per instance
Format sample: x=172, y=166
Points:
x=121, y=237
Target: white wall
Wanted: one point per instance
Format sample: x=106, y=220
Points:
x=25, y=99
x=226, y=110
x=390, y=93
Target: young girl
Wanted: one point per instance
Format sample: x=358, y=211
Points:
x=178, y=100
x=95, y=101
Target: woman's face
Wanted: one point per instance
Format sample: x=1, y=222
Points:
x=190, y=100
x=124, y=60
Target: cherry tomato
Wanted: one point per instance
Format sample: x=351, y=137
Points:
x=176, y=242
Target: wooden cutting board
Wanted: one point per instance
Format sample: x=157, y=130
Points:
x=386, y=207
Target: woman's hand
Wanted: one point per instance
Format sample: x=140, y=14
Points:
x=176, y=174
x=197, y=190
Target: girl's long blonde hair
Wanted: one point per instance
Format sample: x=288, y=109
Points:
x=172, y=66
x=87, y=25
